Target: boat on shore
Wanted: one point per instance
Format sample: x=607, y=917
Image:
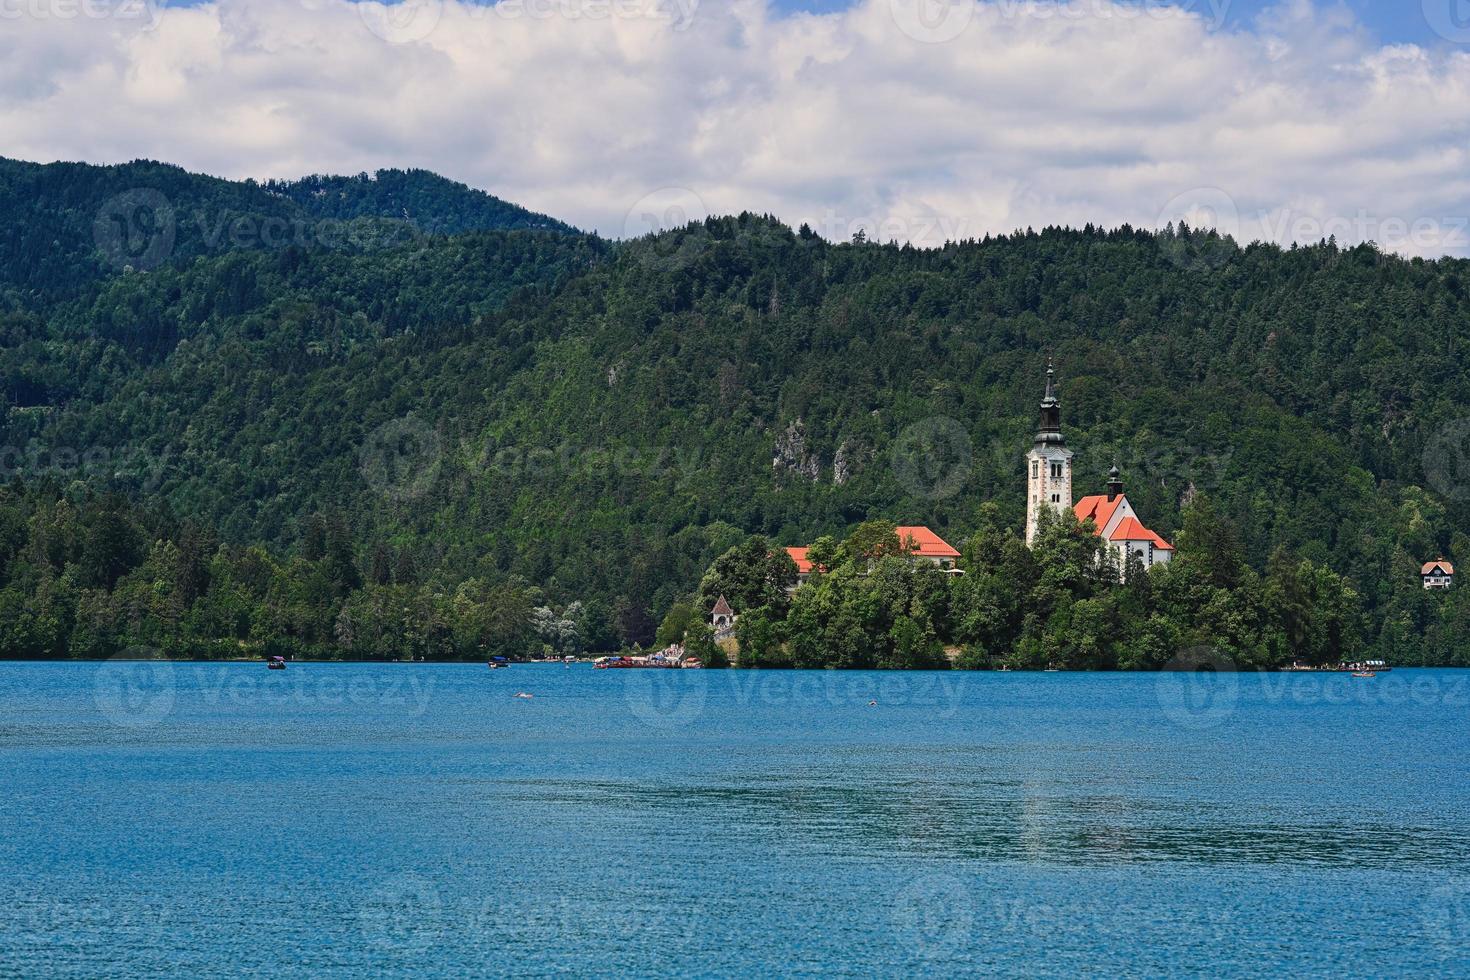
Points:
x=658, y=661
x=1361, y=668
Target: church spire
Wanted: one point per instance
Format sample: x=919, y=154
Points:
x=1050, y=430
x=1049, y=463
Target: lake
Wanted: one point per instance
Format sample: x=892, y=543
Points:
x=356, y=820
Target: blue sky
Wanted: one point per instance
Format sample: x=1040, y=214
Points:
x=1392, y=21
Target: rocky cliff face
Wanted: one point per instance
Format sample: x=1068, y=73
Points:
x=793, y=455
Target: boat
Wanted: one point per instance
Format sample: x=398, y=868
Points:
x=497, y=662
x=276, y=663
x=1365, y=673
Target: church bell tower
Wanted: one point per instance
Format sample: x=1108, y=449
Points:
x=1049, y=464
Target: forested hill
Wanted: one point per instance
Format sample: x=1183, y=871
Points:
x=560, y=419
x=69, y=224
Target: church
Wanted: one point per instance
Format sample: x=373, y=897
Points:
x=1049, y=485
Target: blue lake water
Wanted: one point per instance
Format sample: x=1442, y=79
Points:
x=361, y=820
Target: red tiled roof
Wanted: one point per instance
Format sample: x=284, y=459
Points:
x=798, y=555
x=1440, y=567
x=1129, y=529
x=926, y=543
x=722, y=608
x=1099, y=509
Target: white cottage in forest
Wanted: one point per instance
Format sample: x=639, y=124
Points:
x=1049, y=485
x=1437, y=574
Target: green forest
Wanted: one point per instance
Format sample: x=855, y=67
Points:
x=389, y=416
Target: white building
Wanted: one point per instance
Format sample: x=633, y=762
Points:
x=1118, y=524
x=722, y=618
x=1049, y=485
x=1438, y=574
x=1049, y=464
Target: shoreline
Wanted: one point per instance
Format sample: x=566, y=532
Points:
x=752, y=670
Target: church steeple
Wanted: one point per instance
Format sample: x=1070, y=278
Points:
x=1115, y=484
x=1049, y=464
x=1049, y=433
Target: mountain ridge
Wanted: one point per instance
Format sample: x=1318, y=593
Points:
x=603, y=419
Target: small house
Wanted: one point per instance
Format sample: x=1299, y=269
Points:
x=1437, y=574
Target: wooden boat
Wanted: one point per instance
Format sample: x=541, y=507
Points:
x=1364, y=673
x=276, y=663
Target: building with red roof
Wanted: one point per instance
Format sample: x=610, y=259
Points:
x=924, y=543
x=917, y=541
x=1049, y=487
x=1437, y=574
x=804, y=567
x=1115, y=521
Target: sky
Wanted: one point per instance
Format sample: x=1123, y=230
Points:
x=1392, y=21
x=915, y=120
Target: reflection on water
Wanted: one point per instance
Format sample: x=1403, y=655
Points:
x=357, y=819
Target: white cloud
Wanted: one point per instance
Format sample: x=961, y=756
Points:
x=920, y=119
